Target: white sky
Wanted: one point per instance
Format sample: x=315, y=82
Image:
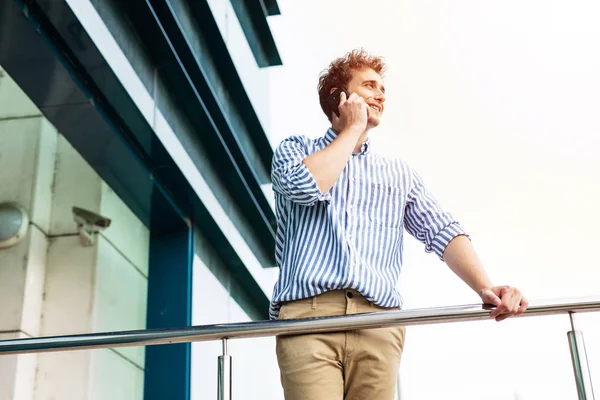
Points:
x=496, y=105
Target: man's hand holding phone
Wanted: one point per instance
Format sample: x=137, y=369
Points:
x=354, y=114
x=349, y=118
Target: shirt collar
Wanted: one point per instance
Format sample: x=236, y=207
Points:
x=331, y=134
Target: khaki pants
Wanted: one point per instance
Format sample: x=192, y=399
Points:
x=351, y=365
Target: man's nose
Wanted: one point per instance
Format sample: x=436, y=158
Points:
x=380, y=96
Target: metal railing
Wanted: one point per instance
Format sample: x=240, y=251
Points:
x=228, y=331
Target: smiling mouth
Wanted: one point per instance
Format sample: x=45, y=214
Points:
x=376, y=108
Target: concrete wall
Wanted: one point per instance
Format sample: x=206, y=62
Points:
x=49, y=283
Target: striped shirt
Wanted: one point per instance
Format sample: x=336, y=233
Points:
x=352, y=236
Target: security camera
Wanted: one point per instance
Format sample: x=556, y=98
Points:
x=88, y=224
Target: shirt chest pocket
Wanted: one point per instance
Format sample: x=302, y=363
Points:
x=385, y=205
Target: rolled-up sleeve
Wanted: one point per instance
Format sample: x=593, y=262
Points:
x=291, y=177
x=427, y=222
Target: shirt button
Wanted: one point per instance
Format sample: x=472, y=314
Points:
x=350, y=295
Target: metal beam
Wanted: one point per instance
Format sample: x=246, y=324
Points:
x=474, y=312
x=254, y=23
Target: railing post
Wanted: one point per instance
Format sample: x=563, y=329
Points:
x=581, y=369
x=224, y=375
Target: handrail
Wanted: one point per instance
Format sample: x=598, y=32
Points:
x=284, y=327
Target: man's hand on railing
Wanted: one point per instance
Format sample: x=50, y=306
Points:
x=508, y=301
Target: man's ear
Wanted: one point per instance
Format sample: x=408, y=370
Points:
x=333, y=89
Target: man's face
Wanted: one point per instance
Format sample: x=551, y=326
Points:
x=369, y=85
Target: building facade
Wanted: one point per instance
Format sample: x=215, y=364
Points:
x=153, y=115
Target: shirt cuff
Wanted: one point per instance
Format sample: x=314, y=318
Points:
x=441, y=240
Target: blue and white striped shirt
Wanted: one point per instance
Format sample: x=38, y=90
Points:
x=352, y=236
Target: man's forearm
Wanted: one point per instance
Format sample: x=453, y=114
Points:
x=327, y=164
x=463, y=261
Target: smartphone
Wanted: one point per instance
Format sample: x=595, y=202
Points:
x=334, y=100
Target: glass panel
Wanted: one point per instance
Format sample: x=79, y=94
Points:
x=516, y=359
x=255, y=372
x=63, y=278
x=589, y=324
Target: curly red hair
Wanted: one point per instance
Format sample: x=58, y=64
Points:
x=339, y=73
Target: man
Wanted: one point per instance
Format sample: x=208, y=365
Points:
x=341, y=211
